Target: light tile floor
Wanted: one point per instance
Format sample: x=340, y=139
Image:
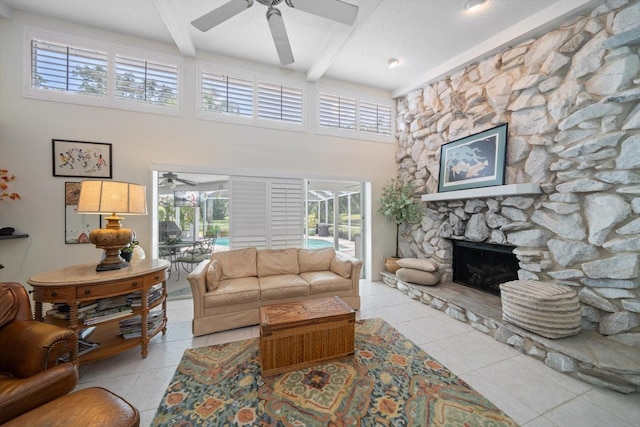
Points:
x=528, y=391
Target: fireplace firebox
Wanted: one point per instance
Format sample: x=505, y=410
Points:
x=483, y=266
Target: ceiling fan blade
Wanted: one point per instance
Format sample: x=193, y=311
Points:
x=279, y=34
x=335, y=10
x=221, y=14
x=186, y=181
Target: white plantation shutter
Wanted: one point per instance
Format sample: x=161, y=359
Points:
x=226, y=94
x=146, y=82
x=287, y=213
x=277, y=102
x=375, y=118
x=248, y=212
x=266, y=212
x=336, y=112
x=64, y=68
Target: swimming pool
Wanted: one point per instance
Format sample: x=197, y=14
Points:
x=313, y=243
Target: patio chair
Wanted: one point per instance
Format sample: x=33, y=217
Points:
x=200, y=251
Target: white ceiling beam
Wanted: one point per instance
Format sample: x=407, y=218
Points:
x=171, y=14
x=5, y=10
x=339, y=36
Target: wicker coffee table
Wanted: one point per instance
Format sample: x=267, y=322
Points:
x=296, y=335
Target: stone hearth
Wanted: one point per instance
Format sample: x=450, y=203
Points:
x=589, y=356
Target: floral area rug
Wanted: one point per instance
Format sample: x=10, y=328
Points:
x=389, y=382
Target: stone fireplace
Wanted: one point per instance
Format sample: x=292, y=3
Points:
x=570, y=98
x=483, y=266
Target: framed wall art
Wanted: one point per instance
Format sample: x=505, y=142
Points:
x=81, y=159
x=77, y=226
x=474, y=161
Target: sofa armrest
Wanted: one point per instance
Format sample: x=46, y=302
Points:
x=198, y=281
x=30, y=347
x=356, y=266
x=18, y=396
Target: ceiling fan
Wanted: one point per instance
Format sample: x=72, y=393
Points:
x=335, y=10
x=168, y=180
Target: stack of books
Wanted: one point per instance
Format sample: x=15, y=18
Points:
x=107, y=308
x=94, y=316
x=61, y=310
x=132, y=327
x=84, y=347
x=154, y=294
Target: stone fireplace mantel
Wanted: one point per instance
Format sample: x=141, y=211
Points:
x=484, y=192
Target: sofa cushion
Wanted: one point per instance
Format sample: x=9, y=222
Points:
x=272, y=262
x=326, y=281
x=315, y=259
x=237, y=263
x=341, y=266
x=418, y=277
x=233, y=291
x=418, y=264
x=214, y=272
x=283, y=286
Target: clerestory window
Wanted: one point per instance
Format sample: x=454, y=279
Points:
x=81, y=71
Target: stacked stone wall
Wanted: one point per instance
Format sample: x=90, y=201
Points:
x=570, y=98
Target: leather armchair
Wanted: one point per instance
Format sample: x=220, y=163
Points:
x=31, y=373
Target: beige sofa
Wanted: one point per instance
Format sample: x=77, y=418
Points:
x=229, y=288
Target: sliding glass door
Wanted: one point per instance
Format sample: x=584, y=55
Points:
x=264, y=212
x=335, y=217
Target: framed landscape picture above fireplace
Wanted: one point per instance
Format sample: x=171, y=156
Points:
x=474, y=161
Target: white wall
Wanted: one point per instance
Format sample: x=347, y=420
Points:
x=141, y=140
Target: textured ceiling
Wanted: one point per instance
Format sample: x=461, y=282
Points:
x=429, y=37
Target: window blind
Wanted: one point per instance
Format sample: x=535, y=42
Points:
x=226, y=94
x=146, y=82
x=286, y=214
x=266, y=212
x=277, y=102
x=336, y=112
x=375, y=118
x=248, y=212
x=70, y=69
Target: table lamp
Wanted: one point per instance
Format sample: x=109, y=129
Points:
x=112, y=198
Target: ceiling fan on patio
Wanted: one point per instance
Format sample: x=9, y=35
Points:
x=335, y=10
x=169, y=179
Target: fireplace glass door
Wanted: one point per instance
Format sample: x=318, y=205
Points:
x=483, y=266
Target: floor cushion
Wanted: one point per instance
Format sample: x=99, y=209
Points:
x=418, y=277
x=548, y=309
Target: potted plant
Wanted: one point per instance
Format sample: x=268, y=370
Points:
x=398, y=204
x=127, y=252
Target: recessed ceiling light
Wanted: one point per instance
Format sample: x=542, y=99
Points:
x=392, y=62
x=473, y=5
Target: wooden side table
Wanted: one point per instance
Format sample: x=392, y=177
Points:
x=296, y=335
x=82, y=283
